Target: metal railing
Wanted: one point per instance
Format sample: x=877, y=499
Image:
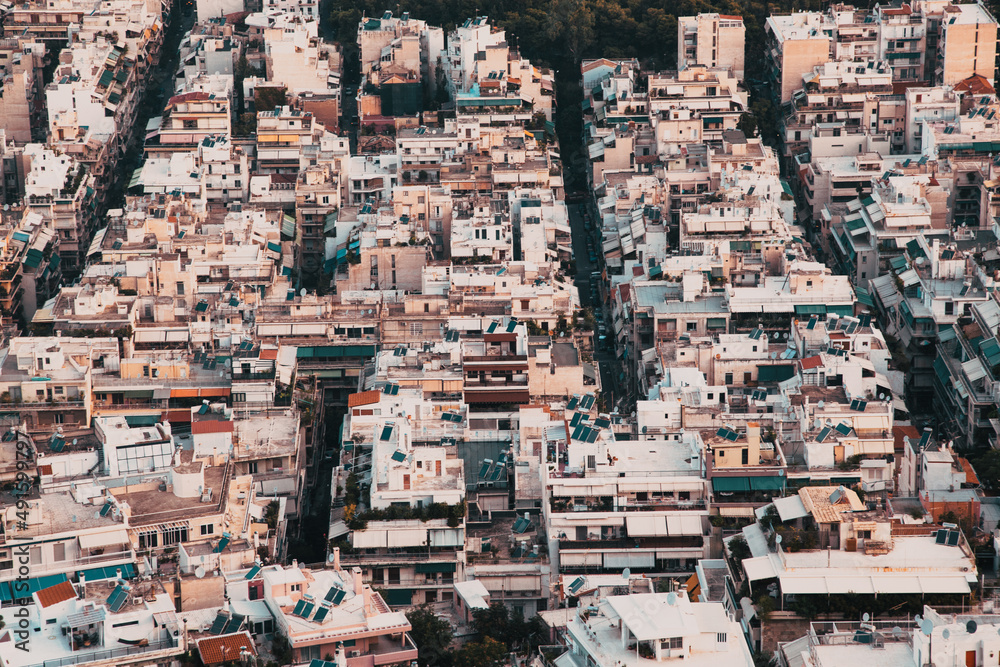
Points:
x=109, y=654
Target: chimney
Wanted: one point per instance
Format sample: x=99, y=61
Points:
x=336, y=559
x=356, y=574
x=295, y=564
x=753, y=432
x=367, y=592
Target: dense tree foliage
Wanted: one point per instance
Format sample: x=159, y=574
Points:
x=509, y=628
x=561, y=32
x=431, y=633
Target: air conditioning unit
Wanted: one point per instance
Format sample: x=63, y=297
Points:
x=355, y=654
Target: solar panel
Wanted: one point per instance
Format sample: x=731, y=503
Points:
x=602, y=423
x=576, y=585
x=234, y=624
x=722, y=432
x=493, y=327
x=732, y=436
x=117, y=599
x=823, y=434
x=573, y=402
x=487, y=464
x=756, y=334
x=511, y=326
x=338, y=597
x=866, y=321
x=843, y=429
x=253, y=572
x=953, y=538
x=941, y=537
x=496, y=473
x=386, y=433
x=587, y=402
x=223, y=543
x=217, y=625
x=105, y=509
x=837, y=495
x=575, y=420
x=521, y=524
x=299, y=606
x=307, y=609
x=398, y=456
x=321, y=614
x=924, y=439
x=965, y=290
x=852, y=327
x=577, y=432
x=592, y=436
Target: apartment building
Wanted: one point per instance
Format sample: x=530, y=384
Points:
x=712, y=40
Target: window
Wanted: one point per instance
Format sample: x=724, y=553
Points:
x=393, y=576
x=416, y=328
x=59, y=551
x=174, y=536
x=207, y=528
x=672, y=643
x=720, y=637
x=149, y=540
x=35, y=555
x=949, y=308
x=692, y=326
x=729, y=378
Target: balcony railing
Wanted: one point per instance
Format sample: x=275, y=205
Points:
x=120, y=655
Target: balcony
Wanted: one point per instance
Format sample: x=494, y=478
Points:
x=124, y=655
x=383, y=650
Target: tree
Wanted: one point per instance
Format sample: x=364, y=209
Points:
x=987, y=467
x=431, y=634
x=268, y=98
x=485, y=653
x=747, y=124
x=738, y=550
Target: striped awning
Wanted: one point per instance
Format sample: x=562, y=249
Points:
x=288, y=226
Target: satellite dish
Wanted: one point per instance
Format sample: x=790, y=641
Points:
x=946, y=633
x=881, y=397
x=329, y=559
x=75, y=440
x=897, y=632
x=777, y=539
x=917, y=619
x=6, y=207
x=200, y=572
x=866, y=617
x=626, y=573
x=927, y=626
x=820, y=405
x=302, y=292
x=671, y=599
x=774, y=355
x=971, y=627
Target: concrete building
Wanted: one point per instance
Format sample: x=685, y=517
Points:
x=712, y=40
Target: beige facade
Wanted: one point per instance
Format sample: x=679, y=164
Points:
x=968, y=45
x=712, y=40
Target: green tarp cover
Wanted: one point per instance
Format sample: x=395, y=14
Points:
x=435, y=567
x=730, y=484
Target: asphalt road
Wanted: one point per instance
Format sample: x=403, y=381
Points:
x=593, y=293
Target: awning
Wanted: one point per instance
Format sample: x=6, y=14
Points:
x=288, y=226
x=645, y=526
x=730, y=484
x=683, y=524
x=790, y=508
x=864, y=297
x=96, y=540
x=435, y=567
x=738, y=512
x=810, y=309
x=398, y=597
x=715, y=323
x=106, y=573
x=330, y=223
x=767, y=483
x=775, y=373
x=759, y=568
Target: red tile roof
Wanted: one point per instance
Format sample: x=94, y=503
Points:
x=211, y=426
x=45, y=469
x=269, y=353
x=55, y=594
x=899, y=435
x=364, y=398
x=812, y=362
x=976, y=84
x=224, y=648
